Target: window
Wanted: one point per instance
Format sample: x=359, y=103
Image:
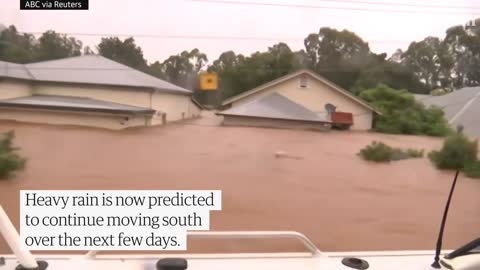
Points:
x=303, y=82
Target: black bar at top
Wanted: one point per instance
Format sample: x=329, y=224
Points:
x=54, y=4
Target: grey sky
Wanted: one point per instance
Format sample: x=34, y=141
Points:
x=191, y=18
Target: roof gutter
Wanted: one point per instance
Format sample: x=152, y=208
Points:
x=149, y=88
x=273, y=118
x=146, y=112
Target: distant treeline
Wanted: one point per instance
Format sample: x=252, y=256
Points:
x=340, y=56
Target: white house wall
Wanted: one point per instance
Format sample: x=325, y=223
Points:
x=106, y=121
x=176, y=107
x=13, y=89
x=132, y=97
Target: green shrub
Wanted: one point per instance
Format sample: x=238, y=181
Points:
x=377, y=151
x=472, y=169
x=380, y=152
x=401, y=114
x=414, y=153
x=10, y=161
x=456, y=152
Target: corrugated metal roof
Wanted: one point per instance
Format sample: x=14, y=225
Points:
x=461, y=107
x=275, y=106
x=91, y=69
x=71, y=103
x=12, y=70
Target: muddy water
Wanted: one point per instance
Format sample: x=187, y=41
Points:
x=338, y=200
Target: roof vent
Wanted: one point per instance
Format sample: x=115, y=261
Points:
x=303, y=82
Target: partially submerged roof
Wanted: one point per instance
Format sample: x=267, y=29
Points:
x=88, y=69
x=275, y=106
x=297, y=74
x=12, y=70
x=461, y=107
x=69, y=103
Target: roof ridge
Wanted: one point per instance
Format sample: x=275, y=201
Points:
x=110, y=72
x=60, y=59
x=47, y=95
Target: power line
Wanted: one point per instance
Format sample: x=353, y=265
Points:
x=7, y=67
x=334, y=8
x=397, y=4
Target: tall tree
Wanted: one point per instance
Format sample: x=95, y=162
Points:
x=16, y=47
x=87, y=50
x=181, y=69
x=239, y=73
x=338, y=55
x=52, y=45
x=424, y=59
x=389, y=73
x=125, y=52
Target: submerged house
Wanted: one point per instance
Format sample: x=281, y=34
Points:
x=301, y=100
x=91, y=91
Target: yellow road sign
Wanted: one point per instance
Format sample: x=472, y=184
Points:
x=208, y=81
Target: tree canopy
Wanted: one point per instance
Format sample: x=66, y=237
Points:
x=25, y=48
x=339, y=55
x=125, y=52
x=401, y=114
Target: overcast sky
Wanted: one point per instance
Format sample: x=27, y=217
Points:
x=385, y=31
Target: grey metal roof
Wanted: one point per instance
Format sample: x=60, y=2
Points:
x=92, y=69
x=70, y=103
x=461, y=107
x=12, y=70
x=275, y=106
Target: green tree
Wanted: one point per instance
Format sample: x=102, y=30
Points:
x=456, y=152
x=391, y=74
x=401, y=114
x=232, y=73
x=10, y=161
x=181, y=69
x=424, y=59
x=125, y=52
x=16, y=47
x=87, y=50
x=52, y=45
x=239, y=73
x=337, y=55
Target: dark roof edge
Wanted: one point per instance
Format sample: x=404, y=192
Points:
x=7, y=105
x=273, y=118
x=198, y=104
x=149, y=88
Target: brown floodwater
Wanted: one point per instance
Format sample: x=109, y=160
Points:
x=326, y=192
